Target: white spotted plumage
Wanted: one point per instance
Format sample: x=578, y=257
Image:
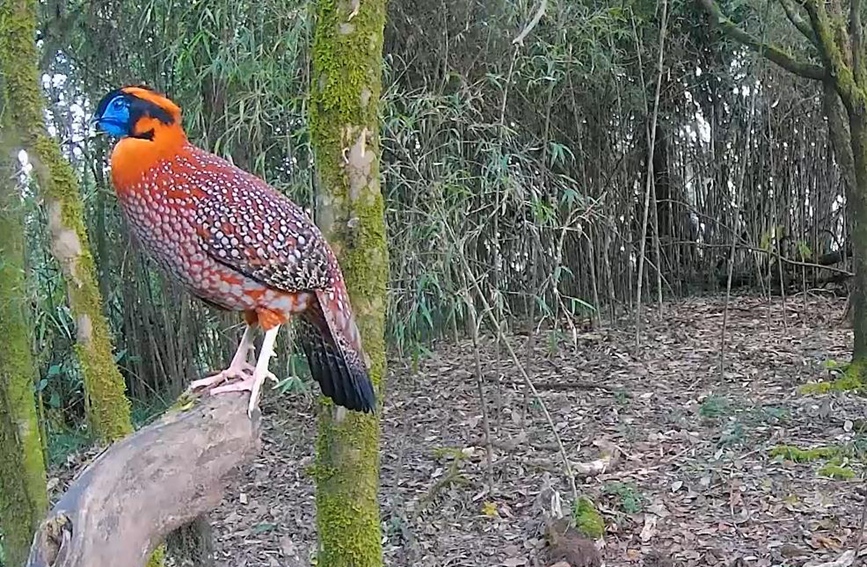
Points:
x=235, y=242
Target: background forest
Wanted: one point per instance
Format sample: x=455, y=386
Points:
x=544, y=177
x=523, y=168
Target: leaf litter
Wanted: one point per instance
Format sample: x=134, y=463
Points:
x=672, y=448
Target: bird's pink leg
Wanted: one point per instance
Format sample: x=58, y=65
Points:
x=239, y=368
x=260, y=373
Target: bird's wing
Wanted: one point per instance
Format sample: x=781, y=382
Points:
x=266, y=237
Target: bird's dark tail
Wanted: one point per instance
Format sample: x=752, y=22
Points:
x=329, y=338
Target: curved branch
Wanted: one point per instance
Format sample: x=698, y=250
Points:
x=770, y=52
x=536, y=18
x=799, y=22
x=855, y=32
x=141, y=488
x=844, y=80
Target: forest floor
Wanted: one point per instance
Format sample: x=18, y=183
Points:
x=692, y=478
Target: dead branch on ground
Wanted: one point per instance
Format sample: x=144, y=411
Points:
x=141, y=488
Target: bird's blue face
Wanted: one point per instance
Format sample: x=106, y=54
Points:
x=132, y=112
x=113, y=115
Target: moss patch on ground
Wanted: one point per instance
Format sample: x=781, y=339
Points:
x=836, y=471
x=837, y=458
x=852, y=380
x=798, y=455
x=588, y=520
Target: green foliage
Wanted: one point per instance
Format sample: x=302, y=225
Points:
x=839, y=458
x=622, y=397
x=523, y=160
x=58, y=185
x=733, y=434
x=714, y=406
x=65, y=442
x=772, y=414
x=629, y=498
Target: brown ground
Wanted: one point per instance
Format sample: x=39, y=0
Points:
x=694, y=481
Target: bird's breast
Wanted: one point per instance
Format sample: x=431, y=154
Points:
x=161, y=217
x=161, y=210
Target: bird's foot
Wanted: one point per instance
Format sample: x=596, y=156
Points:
x=252, y=384
x=244, y=385
x=242, y=370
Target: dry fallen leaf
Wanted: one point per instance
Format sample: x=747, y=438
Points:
x=649, y=530
x=845, y=560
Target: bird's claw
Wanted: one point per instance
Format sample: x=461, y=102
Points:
x=241, y=371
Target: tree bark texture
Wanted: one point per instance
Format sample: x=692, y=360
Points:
x=858, y=208
x=344, y=116
x=143, y=487
x=23, y=498
x=108, y=407
x=22, y=468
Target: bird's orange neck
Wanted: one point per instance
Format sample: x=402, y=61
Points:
x=133, y=157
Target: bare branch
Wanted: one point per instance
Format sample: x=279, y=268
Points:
x=770, y=52
x=800, y=23
x=536, y=18
x=838, y=25
x=855, y=32
x=147, y=485
x=843, y=78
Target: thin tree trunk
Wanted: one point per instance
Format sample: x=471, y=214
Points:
x=22, y=468
x=108, y=407
x=858, y=129
x=344, y=113
x=841, y=144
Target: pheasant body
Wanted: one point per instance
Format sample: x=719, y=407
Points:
x=235, y=242
x=177, y=209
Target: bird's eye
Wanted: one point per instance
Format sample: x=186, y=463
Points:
x=117, y=104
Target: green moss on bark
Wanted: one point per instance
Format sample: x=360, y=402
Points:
x=108, y=407
x=22, y=469
x=344, y=120
x=23, y=497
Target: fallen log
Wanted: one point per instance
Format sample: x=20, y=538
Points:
x=141, y=488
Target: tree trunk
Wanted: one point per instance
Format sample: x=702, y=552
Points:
x=839, y=133
x=108, y=407
x=858, y=216
x=345, y=92
x=22, y=469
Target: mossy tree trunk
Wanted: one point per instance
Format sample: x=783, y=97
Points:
x=23, y=498
x=344, y=118
x=107, y=405
x=835, y=38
